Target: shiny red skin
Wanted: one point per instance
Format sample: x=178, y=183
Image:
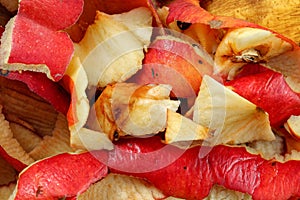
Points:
x=269, y=91
x=42, y=86
x=64, y=175
x=192, y=174
x=176, y=63
x=53, y=14
x=279, y=101
x=35, y=44
x=37, y=36
x=188, y=174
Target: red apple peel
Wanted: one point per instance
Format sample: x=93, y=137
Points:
x=64, y=175
x=188, y=174
x=33, y=42
x=269, y=91
x=192, y=175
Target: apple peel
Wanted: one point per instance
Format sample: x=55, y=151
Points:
x=233, y=119
x=43, y=87
x=11, y=6
x=48, y=13
x=118, y=41
x=22, y=106
x=89, y=139
x=32, y=42
x=60, y=176
x=7, y=172
x=268, y=90
x=58, y=142
x=276, y=15
x=76, y=82
x=10, y=149
x=292, y=126
x=172, y=57
x=131, y=109
x=7, y=190
x=27, y=138
x=183, y=129
x=189, y=11
x=87, y=17
x=252, y=45
x=193, y=174
x=124, y=187
x=284, y=58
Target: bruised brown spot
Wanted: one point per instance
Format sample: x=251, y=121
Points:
x=39, y=191
x=260, y=109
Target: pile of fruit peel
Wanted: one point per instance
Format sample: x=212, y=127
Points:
x=146, y=100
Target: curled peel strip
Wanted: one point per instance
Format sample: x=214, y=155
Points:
x=100, y=67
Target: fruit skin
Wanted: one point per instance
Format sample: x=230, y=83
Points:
x=175, y=62
x=64, y=175
x=34, y=44
x=15, y=163
x=39, y=84
x=188, y=174
x=269, y=91
x=44, y=87
x=1, y=30
x=170, y=169
x=33, y=39
x=189, y=11
x=48, y=13
x=292, y=126
x=87, y=17
x=276, y=14
x=194, y=171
